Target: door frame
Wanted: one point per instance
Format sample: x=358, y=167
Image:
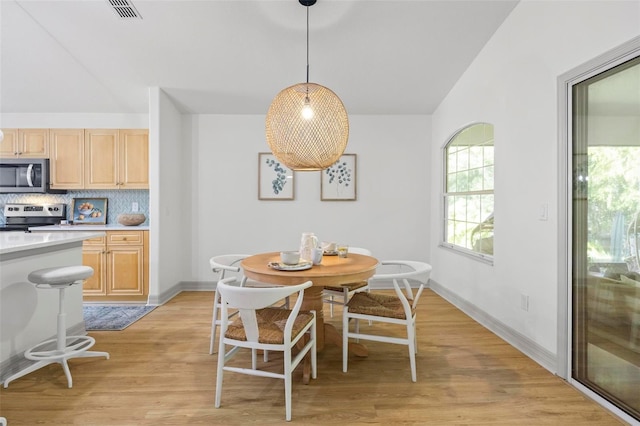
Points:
x=565, y=83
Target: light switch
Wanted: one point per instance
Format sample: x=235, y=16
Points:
x=134, y=207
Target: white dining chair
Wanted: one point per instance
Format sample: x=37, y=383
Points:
x=226, y=265
x=263, y=327
x=223, y=265
x=340, y=294
x=397, y=309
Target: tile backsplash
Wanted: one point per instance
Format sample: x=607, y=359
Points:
x=118, y=201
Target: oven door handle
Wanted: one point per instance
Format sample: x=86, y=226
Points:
x=29, y=175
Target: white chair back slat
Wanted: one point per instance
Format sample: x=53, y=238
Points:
x=417, y=297
x=249, y=323
x=403, y=298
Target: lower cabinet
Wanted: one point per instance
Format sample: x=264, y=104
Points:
x=120, y=261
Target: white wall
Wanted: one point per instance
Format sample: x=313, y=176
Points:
x=512, y=84
x=169, y=190
x=389, y=216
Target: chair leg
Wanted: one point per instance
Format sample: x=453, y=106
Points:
x=346, y=298
x=214, y=319
x=411, y=340
x=314, y=350
x=219, y=374
x=345, y=339
x=331, y=306
x=287, y=384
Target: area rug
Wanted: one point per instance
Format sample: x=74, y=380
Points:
x=113, y=317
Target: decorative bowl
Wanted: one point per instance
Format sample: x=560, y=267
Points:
x=290, y=257
x=131, y=219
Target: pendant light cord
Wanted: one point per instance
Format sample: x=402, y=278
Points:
x=307, y=49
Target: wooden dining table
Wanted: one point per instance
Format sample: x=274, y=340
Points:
x=332, y=271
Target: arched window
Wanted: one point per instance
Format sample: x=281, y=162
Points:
x=468, y=192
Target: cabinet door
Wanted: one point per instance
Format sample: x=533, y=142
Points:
x=9, y=145
x=66, y=153
x=125, y=275
x=95, y=256
x=34, y=143
x=134, y=159
x=101, y=159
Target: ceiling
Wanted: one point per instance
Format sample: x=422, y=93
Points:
x=234, y=56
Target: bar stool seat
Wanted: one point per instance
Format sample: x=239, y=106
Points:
x=66, y=347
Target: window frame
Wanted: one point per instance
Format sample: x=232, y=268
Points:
x=476, y=255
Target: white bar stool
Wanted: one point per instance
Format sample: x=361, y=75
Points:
x=66, y=346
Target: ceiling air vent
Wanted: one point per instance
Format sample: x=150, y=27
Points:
x=124, y=9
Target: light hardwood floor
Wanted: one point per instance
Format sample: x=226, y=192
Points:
x=160, y=373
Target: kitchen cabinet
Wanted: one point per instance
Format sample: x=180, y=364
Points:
x=120, y=261
x=66, y=158
x=25, y=143
x=116, y=159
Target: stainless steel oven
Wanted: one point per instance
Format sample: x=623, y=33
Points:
x=21, y=217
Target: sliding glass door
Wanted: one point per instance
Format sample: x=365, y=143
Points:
x=606, y=235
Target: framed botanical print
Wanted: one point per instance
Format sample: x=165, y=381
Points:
x=275, y=180
x=338, y=182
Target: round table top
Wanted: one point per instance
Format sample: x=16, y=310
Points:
x=333, y=270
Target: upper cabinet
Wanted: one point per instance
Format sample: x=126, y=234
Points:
x=99, y=159
x=66, y=163
x=116, y=159
x=134, y=159
x=25, y=143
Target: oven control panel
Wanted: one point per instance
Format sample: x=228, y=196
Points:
x=35, y=210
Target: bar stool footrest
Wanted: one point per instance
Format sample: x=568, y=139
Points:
x=74, y=346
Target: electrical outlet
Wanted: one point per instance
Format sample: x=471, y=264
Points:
x=543, y=212
x=524, y=302
x=134, y=207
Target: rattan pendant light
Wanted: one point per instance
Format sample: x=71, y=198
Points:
x=307, y=125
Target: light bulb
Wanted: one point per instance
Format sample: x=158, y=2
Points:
x=307, y=111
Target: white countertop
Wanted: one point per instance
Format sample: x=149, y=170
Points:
x=84, y=228
x=13, y=242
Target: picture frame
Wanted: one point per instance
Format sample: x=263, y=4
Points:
x=89, y=211
x=275, y=180
x=338, y=182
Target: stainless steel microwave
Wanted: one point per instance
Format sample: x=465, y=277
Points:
x=24, y=175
